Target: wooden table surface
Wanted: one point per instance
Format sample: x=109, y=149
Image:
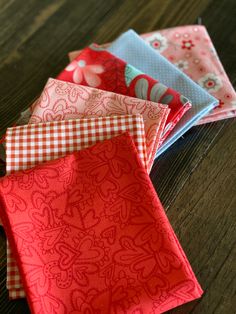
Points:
x=195, y=178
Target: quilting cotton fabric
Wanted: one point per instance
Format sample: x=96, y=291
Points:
x=218, y=117
x=29, y=145
x=63, y=100
x=98, y=242
x=23, y=119
x=98, y=68
x=135, y=51
x=191, y=49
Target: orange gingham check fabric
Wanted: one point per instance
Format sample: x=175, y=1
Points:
x=32, y=144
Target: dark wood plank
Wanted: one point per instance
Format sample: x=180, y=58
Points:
x=203, y=216
x=195, y=179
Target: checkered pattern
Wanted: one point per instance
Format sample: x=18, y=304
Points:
x=14, y=285
x=29, y=145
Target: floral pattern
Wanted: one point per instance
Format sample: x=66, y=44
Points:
x=210, y=82
x=158, y=42
x=182, y=42
x=87, y=72
x=142, y=87
x=122, y=78
x=187, y=44
x=204, y=55
x=182, y=65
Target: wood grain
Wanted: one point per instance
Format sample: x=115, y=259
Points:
x=195, y=179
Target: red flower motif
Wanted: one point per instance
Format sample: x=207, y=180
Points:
x=227, y=96
x=220, y=105
x=187, y=44
x=155, y=43
x=88, y=72
x=171, y=58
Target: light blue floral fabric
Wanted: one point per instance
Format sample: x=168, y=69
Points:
x=135, y=51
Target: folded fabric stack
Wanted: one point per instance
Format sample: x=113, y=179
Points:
x=86, y=230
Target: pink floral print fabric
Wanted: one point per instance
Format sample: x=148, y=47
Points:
x=190, y=48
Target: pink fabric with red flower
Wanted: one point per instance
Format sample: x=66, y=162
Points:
x=190, y=48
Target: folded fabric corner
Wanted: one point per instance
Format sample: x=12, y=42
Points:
x=191, y=49
x=93, y=229
x=30, y=145
x=96, y=67
x=63, y=100
x=133, y=49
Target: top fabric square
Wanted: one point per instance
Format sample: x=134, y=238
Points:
x=29, y=145
x=98, y=242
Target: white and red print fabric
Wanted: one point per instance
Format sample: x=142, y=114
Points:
x=63, y=100
x=190, y=48
x=29, y=145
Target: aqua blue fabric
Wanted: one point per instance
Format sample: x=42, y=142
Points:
x=135, y=51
